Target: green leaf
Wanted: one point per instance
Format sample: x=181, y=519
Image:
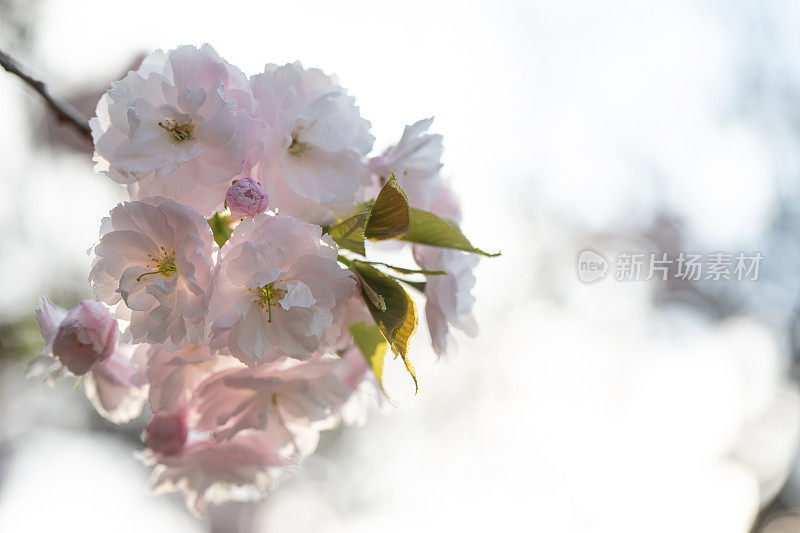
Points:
x=349, y=233
x=221, y=227
x=408, y=270
x=397, y=320
x=427, y=228
x=416, y=285
x=390, y=213
x=372, y=345
x=386, y=217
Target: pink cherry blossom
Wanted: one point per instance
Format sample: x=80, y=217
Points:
x=179, y=127
x=116, y=387
x=87, y=335
x=166, y=433
x=174, y=376
x=217, y=470
x=278, y=288
x=154, y=259
x=49, y=317
x=244, y=351
x=76, y=340
x=449, y=298
x=354, y=310
x=415, y=162
x=287, y=397
x=246, y=198
x=314, y=143
x=114, y=383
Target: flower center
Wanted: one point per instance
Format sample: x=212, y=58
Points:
x=178, y=132
x=266, y=296
x=298, y=149
x=163, y=264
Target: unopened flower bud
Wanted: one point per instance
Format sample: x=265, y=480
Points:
x=246, y=198
x=86, y=336
x=166, y=434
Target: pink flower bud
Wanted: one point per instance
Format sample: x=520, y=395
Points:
x=166, y=434
x=246, y=198
x=86, y=336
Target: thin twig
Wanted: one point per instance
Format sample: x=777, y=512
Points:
x=64, y=111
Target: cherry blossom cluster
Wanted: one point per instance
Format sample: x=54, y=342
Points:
x=233, y=292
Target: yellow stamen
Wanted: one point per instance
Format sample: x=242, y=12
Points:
x=163, y=264
x=297, y=149
x=178, y=132
x=265, y=294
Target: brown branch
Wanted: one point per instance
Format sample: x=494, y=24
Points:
x=65, y=112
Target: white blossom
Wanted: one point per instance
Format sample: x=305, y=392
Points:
x=178, y=127
x=286, y=397
x=154, y=259
x=218, y=470
x=278, y=288
x=312, y=166
x=174, y=375
x=245, y=352
x=116, y=387
x=415, y=161
x=449, y=297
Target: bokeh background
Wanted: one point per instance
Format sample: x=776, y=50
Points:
x=613, y=407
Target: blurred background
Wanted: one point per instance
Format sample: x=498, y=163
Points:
x=613, y=125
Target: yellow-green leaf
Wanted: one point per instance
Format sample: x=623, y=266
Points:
x=372, y=345
x=397, y=321
x=427, y=228
x=349, y=233
x=221, y=227
x=390, y=213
